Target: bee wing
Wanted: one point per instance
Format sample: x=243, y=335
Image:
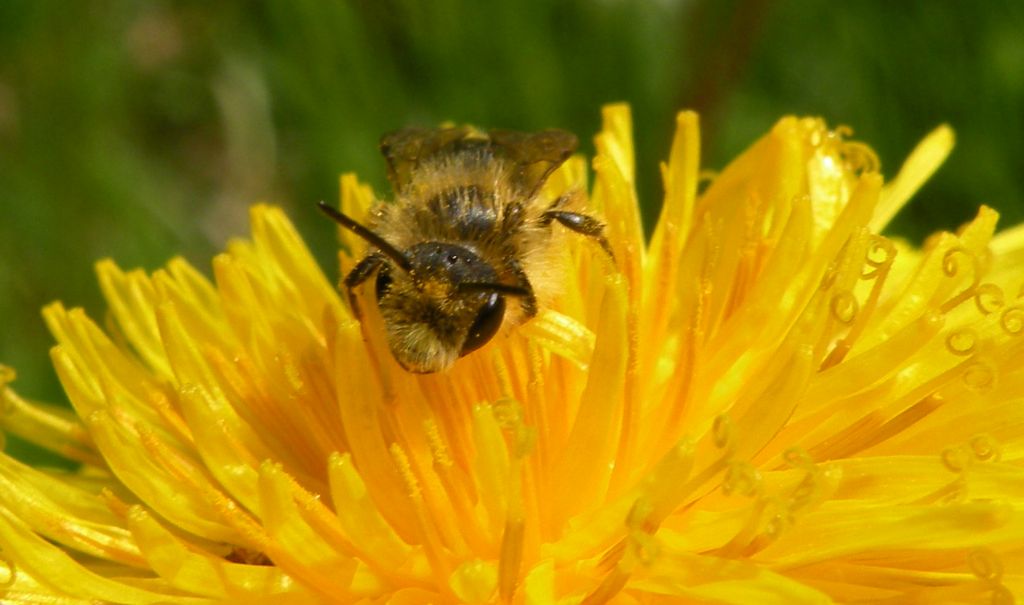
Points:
x=533, y=156
x=405, y=149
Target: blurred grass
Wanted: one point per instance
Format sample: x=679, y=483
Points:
x=143, y=130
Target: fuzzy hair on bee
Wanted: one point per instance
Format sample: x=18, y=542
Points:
x=462, y=248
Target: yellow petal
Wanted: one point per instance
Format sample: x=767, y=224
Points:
x=919, y=166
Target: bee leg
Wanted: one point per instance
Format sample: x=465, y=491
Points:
x=360, y=273
x=562, y=200
x=529, y=301
x=582, y=224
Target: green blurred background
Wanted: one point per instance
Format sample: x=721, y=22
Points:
x=143, y=130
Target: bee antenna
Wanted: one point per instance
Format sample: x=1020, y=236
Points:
x=475, y=286
x=377, y=241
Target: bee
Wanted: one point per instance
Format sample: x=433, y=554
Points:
x=456, y=254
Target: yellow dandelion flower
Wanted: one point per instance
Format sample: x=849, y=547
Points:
x=768, y=403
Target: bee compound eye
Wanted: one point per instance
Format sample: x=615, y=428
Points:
x=383, y=281
x=485, y=326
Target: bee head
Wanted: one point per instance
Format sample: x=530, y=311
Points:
x=448, y=304
x=439, y=301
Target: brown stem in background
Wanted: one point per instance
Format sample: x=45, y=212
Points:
x=721, y=50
